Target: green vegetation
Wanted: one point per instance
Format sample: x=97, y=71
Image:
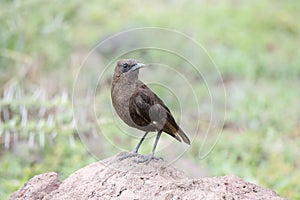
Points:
x=253, y=43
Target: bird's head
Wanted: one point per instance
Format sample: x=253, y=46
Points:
x=128, y=68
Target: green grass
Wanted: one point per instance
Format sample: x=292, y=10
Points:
x=253, y=43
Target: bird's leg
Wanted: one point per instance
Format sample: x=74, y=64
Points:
x=135, y=151
x=151, y=156
x=155, y=143
x=140, y=142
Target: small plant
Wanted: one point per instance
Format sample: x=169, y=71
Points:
x=32, y=117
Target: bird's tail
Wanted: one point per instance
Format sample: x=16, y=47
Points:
x=177, y=132
x=183, y=136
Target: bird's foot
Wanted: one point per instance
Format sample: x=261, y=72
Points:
x=148, y=158
x=129, y=155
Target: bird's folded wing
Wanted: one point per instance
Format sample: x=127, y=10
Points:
x=147, y=108
x=147, y=105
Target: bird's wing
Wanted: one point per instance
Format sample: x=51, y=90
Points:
x=146, y=108
x=140, y=103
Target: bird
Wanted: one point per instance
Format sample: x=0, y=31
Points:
x=139, y=107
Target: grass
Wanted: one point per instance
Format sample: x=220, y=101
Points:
x=253, y=43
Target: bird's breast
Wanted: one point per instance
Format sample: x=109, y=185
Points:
x=120, y=95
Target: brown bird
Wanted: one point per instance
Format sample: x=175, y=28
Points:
x=139, y=107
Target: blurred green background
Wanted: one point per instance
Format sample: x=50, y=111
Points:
x=255, y=45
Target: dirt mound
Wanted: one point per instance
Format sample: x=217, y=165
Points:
x=126, y=179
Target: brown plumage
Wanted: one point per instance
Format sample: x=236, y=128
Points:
x=139, y=107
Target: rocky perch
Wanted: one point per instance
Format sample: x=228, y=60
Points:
x=126, y=179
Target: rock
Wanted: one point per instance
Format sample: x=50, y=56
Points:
x=126, y=179
x=37, y=187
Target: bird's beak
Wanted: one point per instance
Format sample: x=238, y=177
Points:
x=137, y=66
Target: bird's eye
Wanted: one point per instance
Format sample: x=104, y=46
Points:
x=125, y=65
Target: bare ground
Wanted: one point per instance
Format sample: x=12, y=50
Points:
x=126, y=179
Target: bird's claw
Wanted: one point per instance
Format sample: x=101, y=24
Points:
x=129, y=155
x=141, y=158
x=148, y=158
